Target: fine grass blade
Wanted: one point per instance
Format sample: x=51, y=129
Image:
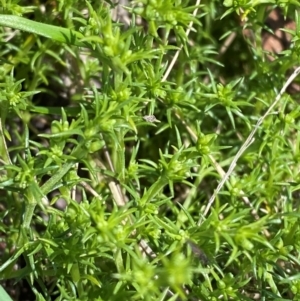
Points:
x=60, y=34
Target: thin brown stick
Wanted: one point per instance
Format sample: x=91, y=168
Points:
x=180, y=48
x=216, y=165
x=247, y=143
x=115, y=187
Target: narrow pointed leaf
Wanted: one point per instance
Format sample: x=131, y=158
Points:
x=56, y=33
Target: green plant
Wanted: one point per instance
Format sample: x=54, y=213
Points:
x=131, y=126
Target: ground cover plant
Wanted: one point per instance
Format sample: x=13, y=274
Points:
x=149, y=150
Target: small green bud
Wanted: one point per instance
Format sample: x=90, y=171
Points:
x=221, y=284
x=95, y=146
x=228, y=3
x=56, y=127
x=108, y=51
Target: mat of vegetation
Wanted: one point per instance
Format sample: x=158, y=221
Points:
x=149, y=150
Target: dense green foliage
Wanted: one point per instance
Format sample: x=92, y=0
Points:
x=110, y=154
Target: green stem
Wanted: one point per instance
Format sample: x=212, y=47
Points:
x=3, y=147
x=34, y=193
x=120, y=154
x=154, y=190
x=52, y=182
